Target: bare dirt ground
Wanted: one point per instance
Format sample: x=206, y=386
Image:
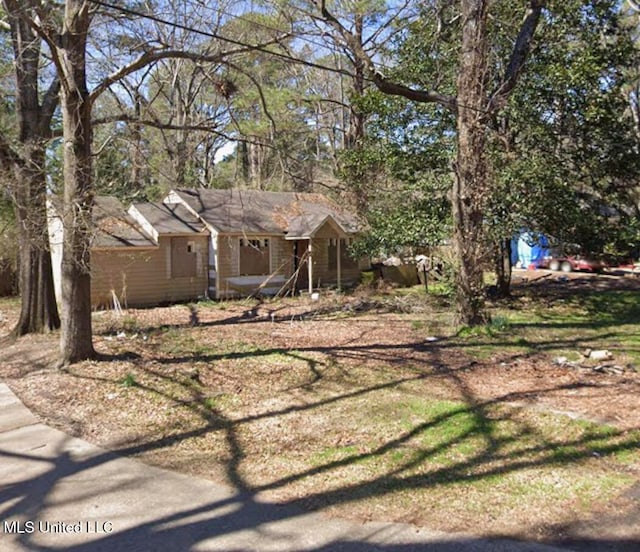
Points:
x=162, y=392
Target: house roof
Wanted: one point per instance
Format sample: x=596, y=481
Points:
x=170, y=218
x=257, y=212
x=114, y=227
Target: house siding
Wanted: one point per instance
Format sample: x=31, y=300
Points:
x=282, y=257
x=322, y=275
x=143, y=277
x=228, y=259
x=282, y=260
x=55, y=246
x=228, y=262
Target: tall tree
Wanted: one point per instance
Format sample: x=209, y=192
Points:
x=474, y=104
x=562, y=151
x=68, y=41
x=24, y=160
x=70, y=51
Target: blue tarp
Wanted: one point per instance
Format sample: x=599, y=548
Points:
x=529, y=248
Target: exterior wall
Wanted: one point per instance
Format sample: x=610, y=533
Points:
x=322, y=275
x=143, y=277
x=282, y=256
x=55, y=244
x=227, y=262
x=213, y=264
x=228, y=259
x=282, y=262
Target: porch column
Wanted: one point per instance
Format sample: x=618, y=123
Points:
x=339, y=264
x=310, y=266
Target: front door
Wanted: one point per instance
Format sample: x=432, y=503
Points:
x=300, y=265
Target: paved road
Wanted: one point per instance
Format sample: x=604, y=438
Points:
x=62, y=493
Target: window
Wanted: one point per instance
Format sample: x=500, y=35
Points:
x=254, y=257
x=183, y=258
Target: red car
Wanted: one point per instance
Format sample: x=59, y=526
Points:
x=570, y=263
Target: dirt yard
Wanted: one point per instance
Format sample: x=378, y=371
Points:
x=241, y=392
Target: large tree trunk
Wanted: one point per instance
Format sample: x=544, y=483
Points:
x=470, y=182
x=76, y=336
x=360, y=182
x=39, y=311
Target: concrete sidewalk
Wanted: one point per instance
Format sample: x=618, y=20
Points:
x=62, y=493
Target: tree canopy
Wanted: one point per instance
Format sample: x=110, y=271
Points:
x=435, y=120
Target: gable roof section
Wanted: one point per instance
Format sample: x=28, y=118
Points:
x=256, y=212
x=170, y=218
x=114, y=227
x=305, y=226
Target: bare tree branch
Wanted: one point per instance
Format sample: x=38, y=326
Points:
x=8, y=156
x=518, y=57
x=124, y=118
x=376, y=76
x=151, y=57
x=50, y=102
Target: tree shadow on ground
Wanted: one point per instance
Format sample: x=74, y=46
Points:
x=242, y=522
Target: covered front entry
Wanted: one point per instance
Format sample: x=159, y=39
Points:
x=319, y=261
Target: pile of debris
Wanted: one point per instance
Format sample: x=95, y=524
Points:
x=600, y=360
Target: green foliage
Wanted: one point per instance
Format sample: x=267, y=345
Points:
x=129, y=381
x=564, y=155
x=211, y=403
x=417, y=222
x=400, y=175
x=367, y=278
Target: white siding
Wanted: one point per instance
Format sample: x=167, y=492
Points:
x=55, y=243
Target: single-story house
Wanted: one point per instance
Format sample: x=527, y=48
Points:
x=214, y=243
x=262, y=241
x=137, y=265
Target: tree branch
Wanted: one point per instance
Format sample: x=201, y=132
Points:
x=8, y=156
x=152, y=56
x=124, y=118
x=377, y=77
x=50, y=102
x=521, y=50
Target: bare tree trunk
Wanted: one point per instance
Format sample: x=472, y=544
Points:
x=76, y=335
x=470, y=183
x=39, y=312
x=361, y=185
x=136, y=147
x=503, y=267
x=356, y=132
x=256, y=151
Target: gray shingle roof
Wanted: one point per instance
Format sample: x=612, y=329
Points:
x=258, y=212
x=170, y=219
x=114, y=227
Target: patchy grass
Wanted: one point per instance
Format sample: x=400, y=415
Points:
x=566, y=326
x=371, y=406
